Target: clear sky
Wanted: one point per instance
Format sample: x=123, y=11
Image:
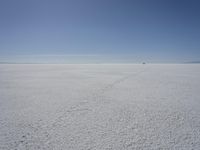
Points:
x=100, y=30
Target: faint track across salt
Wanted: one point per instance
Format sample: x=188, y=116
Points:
x=97, y=97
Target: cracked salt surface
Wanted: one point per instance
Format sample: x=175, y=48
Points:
x=99, y=107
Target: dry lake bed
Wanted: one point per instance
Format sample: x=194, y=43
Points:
x=99, y=107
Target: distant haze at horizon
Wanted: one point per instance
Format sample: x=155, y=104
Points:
x=88, y=59
x=94, y=31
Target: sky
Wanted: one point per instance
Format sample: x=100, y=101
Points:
x=99, y=31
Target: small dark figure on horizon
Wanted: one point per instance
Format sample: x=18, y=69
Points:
x=143, y=63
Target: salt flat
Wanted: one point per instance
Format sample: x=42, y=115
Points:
x=98, y=107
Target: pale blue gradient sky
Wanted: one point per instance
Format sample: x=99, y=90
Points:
x=99, y=31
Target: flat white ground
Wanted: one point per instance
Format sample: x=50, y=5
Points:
x=99, y=107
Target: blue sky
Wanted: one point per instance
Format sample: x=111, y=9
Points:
x=99, y=30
